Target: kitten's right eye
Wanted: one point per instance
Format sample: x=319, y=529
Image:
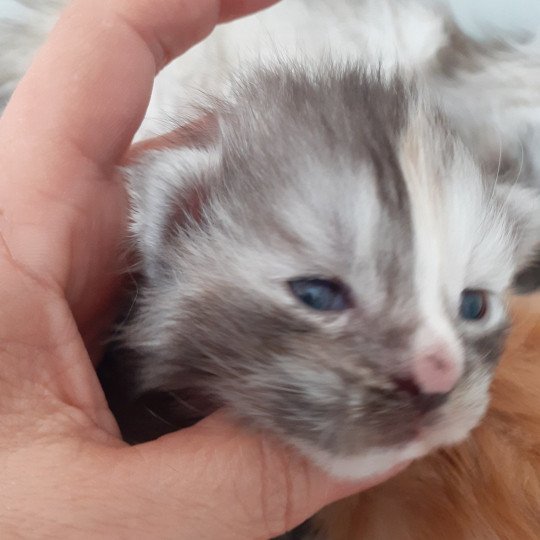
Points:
x=474, y=304
x=321, y=294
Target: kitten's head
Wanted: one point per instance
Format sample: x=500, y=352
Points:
x=325, y=258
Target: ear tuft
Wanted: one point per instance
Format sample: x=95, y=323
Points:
x=187, y=208
x=198, y=133
x=168, y=191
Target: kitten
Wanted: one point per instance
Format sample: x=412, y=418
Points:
x=324, y=257
x=320, y=251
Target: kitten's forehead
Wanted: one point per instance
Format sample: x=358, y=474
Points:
x=340, y=173
x=462, y=236
x=317, y=153
x=364, y=177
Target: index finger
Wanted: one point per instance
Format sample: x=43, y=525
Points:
x=90, y=84
x=69, y=123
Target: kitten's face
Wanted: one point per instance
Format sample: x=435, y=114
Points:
x=333, y=268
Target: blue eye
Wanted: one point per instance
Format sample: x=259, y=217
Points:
x=321, y=294
x=474, y=304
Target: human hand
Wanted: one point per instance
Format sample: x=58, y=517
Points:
x=66, y=471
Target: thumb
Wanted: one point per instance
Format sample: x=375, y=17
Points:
x=218, y=481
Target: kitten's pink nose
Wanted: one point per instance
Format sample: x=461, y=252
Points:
x=437, y=370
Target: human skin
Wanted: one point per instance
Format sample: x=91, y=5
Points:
x=65, y=470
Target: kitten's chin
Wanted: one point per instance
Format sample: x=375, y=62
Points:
x=374, y=462
x=377, y=461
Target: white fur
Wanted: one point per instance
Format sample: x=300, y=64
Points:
x=388, y=32
x=152, y=196
x=391, y=32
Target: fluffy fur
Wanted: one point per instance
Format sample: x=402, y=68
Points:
x=292, y=28
x=488, y=487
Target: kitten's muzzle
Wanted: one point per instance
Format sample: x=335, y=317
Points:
x=423, y=402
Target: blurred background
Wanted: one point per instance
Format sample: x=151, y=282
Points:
x=482, y=17
x=477, y=17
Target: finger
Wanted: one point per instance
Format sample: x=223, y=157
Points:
x=70, y=121
x=89, y=87
x=236, y=485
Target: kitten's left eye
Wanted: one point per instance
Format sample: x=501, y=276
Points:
x=321, y=294
x=474, y=304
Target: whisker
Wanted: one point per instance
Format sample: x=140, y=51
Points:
x=160, y=418
x=521, y=164
x=134, y=301
x=184, y=403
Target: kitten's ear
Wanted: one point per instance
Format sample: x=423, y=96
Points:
x=168, y=187
x=523, y=207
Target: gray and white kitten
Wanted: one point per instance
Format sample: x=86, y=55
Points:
x=320, y=251
x=309, y=257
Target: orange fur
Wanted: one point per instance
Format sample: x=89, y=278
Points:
x=488, y=488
